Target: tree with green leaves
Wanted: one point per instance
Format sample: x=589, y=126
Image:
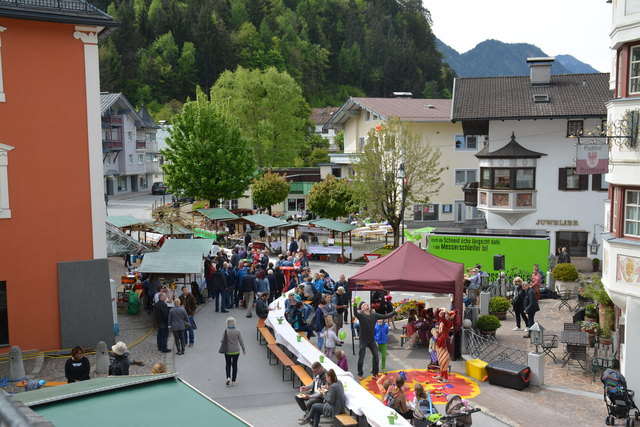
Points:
x=331, y=198
x=269, y=189
x=207, y=156
x=271, y=112
x=378, y=178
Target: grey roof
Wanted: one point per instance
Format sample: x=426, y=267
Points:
x=406, y=109
x=67, y=11
x=495, y=98
x=147, y=120
x=108, y=99
x=320, y=116
x=509, y=151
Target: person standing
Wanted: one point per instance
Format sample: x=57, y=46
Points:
x=188, y=301
x=341, y=302
x=247, y=240
x=77, y=367
x=162, y=321
x=518, y=305
x=231, y=343
x=564, y=257
x=530, y=307
x=293, y=246
x=381, y=333
x=219, y=286
x=230, y=274
x=178, y=319
x=248, y=290
x=536, y=280
x=367, y=321
x=120, y=363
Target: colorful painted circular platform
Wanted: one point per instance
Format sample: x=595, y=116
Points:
x=458, y=384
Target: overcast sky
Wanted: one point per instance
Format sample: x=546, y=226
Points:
x=574, y=27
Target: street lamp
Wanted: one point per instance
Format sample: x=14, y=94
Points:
x=594, y=246
x=402, y=175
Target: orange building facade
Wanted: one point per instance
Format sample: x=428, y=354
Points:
x=51, y=198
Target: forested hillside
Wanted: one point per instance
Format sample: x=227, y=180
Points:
x=333, y=48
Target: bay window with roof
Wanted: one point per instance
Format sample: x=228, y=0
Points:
x=624, y=212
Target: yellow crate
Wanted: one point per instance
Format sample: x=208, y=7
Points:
x=477, y=369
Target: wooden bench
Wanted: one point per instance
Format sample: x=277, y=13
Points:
x=346, y=420
x=281, y=357
x=264, y=332
x=302, y=375
x=260, y=324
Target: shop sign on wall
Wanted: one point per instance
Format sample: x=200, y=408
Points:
x=592, y=159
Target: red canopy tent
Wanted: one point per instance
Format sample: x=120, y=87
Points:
x=409, y=268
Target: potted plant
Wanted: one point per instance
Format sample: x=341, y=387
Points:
x=591, y=328
x=488, y=324
x=595, y=263
x=498, y=306
x=565, y=276
x=596, y=291
x=591, y=313
x=605, y=337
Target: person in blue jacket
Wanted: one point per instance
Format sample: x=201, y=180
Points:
x=381, y=333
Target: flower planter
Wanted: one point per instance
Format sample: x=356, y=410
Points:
x=391, y=419
x=501, y=315
x=605, y=341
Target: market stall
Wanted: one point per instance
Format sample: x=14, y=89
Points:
x=410, y=269
x=218, y=218
x=172, y=267
x=170, y=230
x=321, y=237
x=187, y=245
x=266, y=222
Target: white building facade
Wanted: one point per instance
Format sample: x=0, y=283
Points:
x=429, y=118
x=621, y=245
x=527, y=177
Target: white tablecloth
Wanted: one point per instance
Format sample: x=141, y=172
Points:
x=357, y=399
x=331, y=250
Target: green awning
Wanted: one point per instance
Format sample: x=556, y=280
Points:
x=94, y=403
x=332, y=225
x=424, y=230
x=168, y=230
x=187, y=245
x=172, y=262
x=123, y=220
x=300, y=187
x=218, y=214
x=266, y=221
x=206, y=234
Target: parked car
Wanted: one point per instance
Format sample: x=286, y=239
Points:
x=158, y=188
x=181, y=197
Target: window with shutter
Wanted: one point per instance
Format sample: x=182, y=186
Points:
x=562, y=179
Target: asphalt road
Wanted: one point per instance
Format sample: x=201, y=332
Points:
x=138, y=206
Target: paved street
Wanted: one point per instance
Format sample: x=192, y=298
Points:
x=136, y=204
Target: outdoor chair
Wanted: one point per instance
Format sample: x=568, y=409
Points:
x=604, y=357
x=549, y=342
x=577, y=353
x=565, y=298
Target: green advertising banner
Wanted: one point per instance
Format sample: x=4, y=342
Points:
x=520, y=252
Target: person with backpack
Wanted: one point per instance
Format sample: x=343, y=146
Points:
x=397, y=400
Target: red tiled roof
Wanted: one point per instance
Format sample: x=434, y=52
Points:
x=320, y=116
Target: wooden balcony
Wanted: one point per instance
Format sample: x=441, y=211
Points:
x=112, y=145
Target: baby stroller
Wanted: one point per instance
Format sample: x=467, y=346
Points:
x=457, y=414
x=618, y=398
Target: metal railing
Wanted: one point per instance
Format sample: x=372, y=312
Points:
x=488, y=350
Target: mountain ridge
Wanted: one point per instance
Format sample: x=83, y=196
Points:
x=495, y=58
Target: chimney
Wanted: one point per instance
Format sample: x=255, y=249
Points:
x=540, y=70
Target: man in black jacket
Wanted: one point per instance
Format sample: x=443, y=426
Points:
x=262, y=306
x=530, y=306
x=368, y=321
x=219, y=286
x=162, y=319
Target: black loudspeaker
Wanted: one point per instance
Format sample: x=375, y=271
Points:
x=498, y=262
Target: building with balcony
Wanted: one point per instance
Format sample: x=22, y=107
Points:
x=621, y=241
x=528, y=179
x=430, y=118
x=130, y=155
x=320, y=117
